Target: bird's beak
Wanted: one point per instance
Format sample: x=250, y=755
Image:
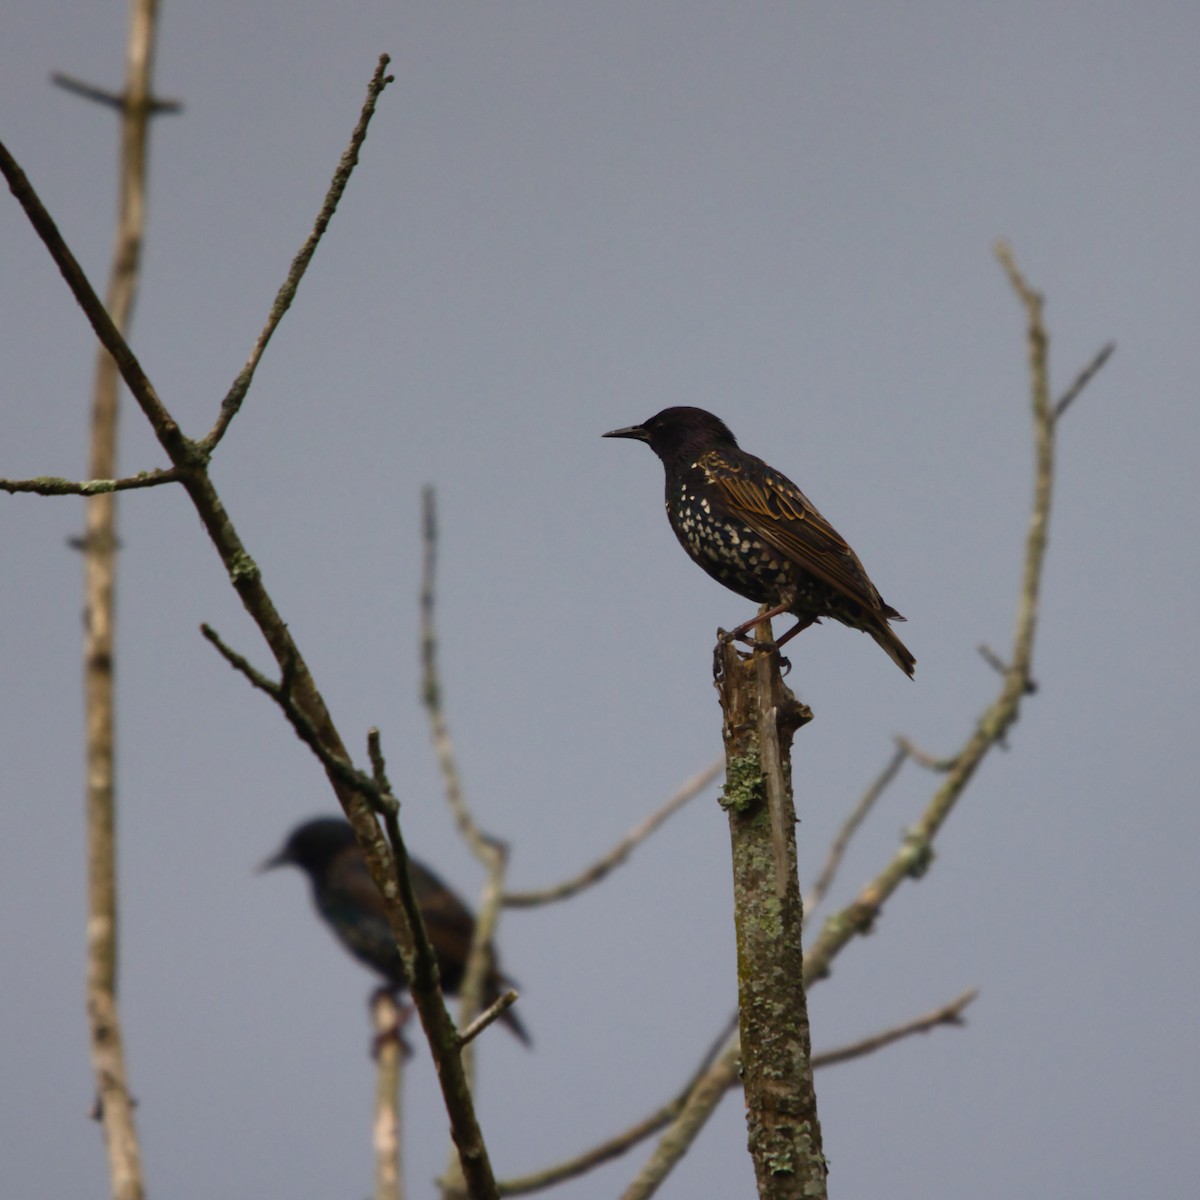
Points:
x=638, y=432
x=269, y=864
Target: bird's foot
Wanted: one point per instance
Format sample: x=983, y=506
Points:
x=394, y=1034
x=757, y=647
x=725, y=637
x=754, y=646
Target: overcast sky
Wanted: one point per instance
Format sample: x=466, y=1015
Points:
x=567, y=217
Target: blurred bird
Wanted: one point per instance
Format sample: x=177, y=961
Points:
x=326, y=850
x=755, y=531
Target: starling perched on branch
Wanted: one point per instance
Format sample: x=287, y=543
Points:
x=326, y=850
x=755, y=531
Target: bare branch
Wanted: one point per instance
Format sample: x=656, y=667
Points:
x=706, y=1089
x=998, y=665
x=49, y=485
x=615, y=1146
x=99, y=564
x=336, y=765
x=490, y=851
x=163, y=424
x=300, y=690
x=718, y=1073
x=287, y=291
x=386, y=799
x=479, y=958
x=916, y=852
x=948, y=1014
x=412, y=937
x=992, y=659
x=837, y=851
x=89, y=91
x=689, y=789
x=497, y=1008
x=482, y=845
x=931, y=762
x=385, y=1014
x=703, y=1098
x=471, y=1165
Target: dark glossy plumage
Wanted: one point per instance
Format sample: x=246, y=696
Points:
x=325, y=849
x=755, y=531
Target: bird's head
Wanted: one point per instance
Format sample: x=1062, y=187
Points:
x=676, y=432
x=313, y=845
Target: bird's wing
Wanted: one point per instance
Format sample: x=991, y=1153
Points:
x=780, y=513
x=349, y=879
x=448, y=920
x=352, y=905
x=451, y=926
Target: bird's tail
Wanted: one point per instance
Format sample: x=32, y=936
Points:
x=516, y=1026
x=895, y=649
x=494, y=990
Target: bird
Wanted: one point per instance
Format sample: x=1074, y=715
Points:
x=327, y=851
x=752, y=529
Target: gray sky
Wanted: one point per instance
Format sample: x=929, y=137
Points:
x=566, y=218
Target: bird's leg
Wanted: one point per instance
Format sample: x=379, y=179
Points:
x=404, y=1014
x=739, y=634
x=799, y=627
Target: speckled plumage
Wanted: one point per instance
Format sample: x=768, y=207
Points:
x=752, y=529
x=326, y=850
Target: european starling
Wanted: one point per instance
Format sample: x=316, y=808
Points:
x=325, y=849
x=755, y=531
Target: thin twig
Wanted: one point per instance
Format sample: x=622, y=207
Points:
x=140, y=388
x=948, y=1014
x=118, y=100
x=622, y=1142
x=479, y=957
x=50, y=485
x=1083, y=379
x=490, y=851
x=496, y=1009
x=88, y=91
x=992, y=659
x=472, y=1169
x=931, y=762
x=688, y=790
x=915, y=853
x=724, y=1074
x=287, y=291
x=336, y=765
x=998, y=665
x=385, y=799
x=481, y=844
x=686, y=1125
x=837, y=851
